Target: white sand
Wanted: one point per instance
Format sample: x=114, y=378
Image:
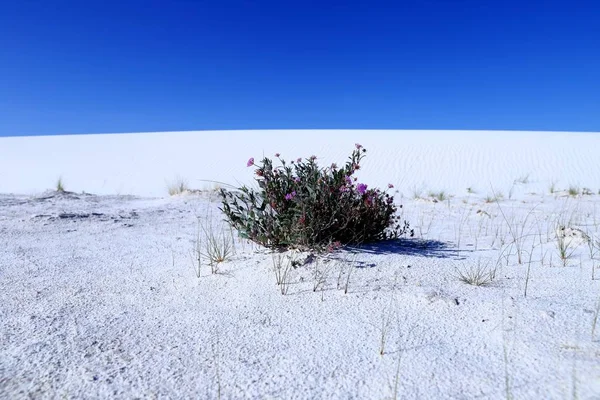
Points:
x=143, y=164
x=99, y=297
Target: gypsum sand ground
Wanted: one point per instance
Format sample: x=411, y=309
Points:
x=99, y=299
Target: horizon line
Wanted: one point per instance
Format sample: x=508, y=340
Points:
x=298, y=129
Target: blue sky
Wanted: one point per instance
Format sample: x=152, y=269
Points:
x=134, y=66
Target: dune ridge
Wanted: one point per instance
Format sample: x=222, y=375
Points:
x=143, y=163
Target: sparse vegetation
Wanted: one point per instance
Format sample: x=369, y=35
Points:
x=282, y=266
x=417, y=192
x=497, y=196
x=528, y=275
x=593, y=245
x=517, y=230
x=320, y=275
x=508, y=393
x=480, y=274
x=349, y=273
x=212, y=245
x=217, y=363
x=396, y=385
x=595, y=319
x=178, y=186
x=219, y=247
x=438, y=196
x=60, y=187
x=573, y=191
x=564, y=245
x=196, y=253
x=523, y=180
x=384, y=330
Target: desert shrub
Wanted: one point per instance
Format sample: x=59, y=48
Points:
x=302, y=205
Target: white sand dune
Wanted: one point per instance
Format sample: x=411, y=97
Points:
x=141, y=164
x=99, y=297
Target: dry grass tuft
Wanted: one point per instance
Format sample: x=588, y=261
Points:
x=178, y=186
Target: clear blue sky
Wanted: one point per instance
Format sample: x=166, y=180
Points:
x=92, y=66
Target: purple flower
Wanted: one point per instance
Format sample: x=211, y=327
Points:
x=334, y=166
x=333, y=246
x=299, y=160
x=290, y=196
x=344, y=189
x=348, y=180
x=250, y=162
x=277, y=155
x=358, y=146
x=361, y=188
x=297, y=179
x=390, y=186
x=313, y=158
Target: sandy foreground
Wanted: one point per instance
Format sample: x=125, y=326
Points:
x=100, y=298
